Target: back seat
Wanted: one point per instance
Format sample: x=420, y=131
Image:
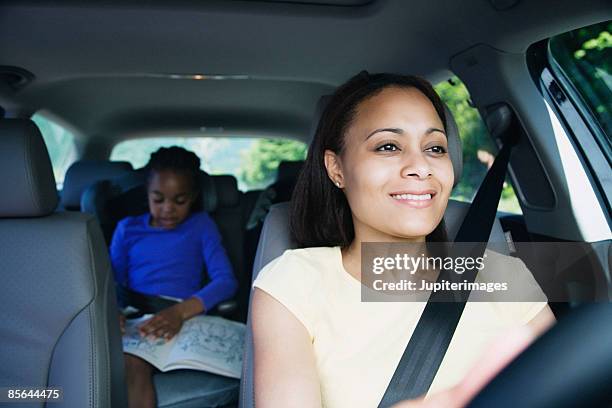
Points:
x=112, y=200
x=83, y=173
x=229, y=219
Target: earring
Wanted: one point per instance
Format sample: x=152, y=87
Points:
x=338, y=184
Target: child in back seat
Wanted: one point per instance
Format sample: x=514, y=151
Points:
x=163, y=253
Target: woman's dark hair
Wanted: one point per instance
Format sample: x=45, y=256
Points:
x=178, y=160
x=320, y=213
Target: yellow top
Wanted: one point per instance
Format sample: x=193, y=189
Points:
x=357, y=345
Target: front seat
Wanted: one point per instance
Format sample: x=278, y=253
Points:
x=59, y=320
x=275, y=239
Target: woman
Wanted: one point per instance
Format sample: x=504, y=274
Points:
x=378, y=170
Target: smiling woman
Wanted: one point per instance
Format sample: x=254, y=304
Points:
x=379, y=170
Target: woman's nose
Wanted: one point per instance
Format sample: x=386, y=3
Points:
x=416, y=165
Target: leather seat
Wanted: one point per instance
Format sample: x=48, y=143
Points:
x=83, y=173
x=275, y=239
x=58, y=320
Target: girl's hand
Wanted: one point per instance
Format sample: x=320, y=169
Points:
x=165, y=324
x=122, y=323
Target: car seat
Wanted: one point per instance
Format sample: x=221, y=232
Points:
x=112, y=200
x=83, y=173
x=59, y=319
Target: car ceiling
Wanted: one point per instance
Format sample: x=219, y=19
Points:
x=102, y=66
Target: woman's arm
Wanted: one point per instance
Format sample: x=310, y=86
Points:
x=284, y=365
x=542, y=321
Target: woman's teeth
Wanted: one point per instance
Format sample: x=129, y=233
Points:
x=420, y=197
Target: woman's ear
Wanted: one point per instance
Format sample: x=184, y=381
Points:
x=333, y=165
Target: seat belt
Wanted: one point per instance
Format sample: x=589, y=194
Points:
x=434, y=331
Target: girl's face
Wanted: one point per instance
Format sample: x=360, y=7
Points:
x=395, y=169
x=170, y=198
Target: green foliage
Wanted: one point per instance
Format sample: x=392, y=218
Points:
x=585, y=56
x=260, y=162
x=474, y=138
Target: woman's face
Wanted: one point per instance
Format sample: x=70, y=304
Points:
x=395, y=169
x=170, y=198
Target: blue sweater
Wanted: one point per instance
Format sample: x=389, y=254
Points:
x=158, y=261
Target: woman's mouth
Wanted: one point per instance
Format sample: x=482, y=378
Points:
x=421, y=199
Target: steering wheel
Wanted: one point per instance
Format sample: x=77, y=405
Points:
x=568, y=366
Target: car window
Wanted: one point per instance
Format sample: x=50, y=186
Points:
x=585, y=58
x=478, y=149
x=253, y=161
x=60, y=144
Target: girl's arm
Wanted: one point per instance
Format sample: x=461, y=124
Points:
x=223, y=285
x=119, y=255
x=284, y=364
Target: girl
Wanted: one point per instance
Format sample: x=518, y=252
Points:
x=380, y=142
x=164, y=253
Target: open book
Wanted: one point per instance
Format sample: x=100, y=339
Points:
x=207, y=343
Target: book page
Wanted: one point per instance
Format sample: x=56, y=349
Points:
x=154, y=351
x=209, y=343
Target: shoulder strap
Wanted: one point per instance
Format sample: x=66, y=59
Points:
x=431, y=338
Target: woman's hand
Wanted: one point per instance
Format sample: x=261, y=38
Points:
x=488, y=366
x=167, y=323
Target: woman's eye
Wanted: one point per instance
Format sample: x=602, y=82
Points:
x=158, y=201
x=180, y=202
x=437, y=149
x=387, y=147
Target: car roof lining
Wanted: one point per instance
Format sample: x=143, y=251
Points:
x=92, y=61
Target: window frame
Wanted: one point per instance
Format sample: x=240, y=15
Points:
x=579, y=123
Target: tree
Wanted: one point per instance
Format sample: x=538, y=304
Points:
x=260, y=162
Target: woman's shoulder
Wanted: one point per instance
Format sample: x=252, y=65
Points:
x=318, y=258
x=301, y=264
x=295, y=279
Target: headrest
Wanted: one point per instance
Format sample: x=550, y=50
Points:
x=455, y=150
x=26, y=174
x=228, y=194
x=86, y=172
x=289, y=170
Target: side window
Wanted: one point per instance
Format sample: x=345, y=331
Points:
x=585, y=58
x=253, y=161
x=478, y=149
x=60, y=144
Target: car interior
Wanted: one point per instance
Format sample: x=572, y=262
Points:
x=111, y=72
